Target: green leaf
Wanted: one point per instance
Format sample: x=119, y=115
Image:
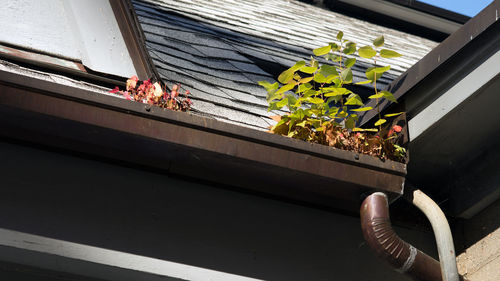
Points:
x=271, y=96
x=292, y=100
x=364, y=130
x=310, y=92
x=308, y=69
x=346, y=75
x=304, y=87
x=354, y=100
x=298, y=65
x=318, y=77
x=380, y=122
x=331, y=91
x=350, y=62
x=374, y=73
x=376, y=96
x=268, y=86
x=322, y=51
x=306, y=80
x=364, y=82
x=393, y=114
x=362, y=109
x=381, y=69
x=327, y=70
x=286, y=76
x=282, y=103
x=285, y=88
x=334, y=46
x=340, y=35
x=350, y=121
x=367, y=52
x=389, y=96
x=315, y=100
x=389, y=54
x=332, y=57
x=379, y=41
x=350, y=48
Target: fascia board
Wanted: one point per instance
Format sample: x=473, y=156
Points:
x=407, y=14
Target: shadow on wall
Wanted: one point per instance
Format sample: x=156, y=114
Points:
x=124, y=209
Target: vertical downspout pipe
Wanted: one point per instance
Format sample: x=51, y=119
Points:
x=378, y=233
x=442, y=232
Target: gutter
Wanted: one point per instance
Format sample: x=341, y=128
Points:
x=73, y=118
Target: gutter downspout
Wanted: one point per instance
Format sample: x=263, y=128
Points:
x=378, y=233
x=442, y=232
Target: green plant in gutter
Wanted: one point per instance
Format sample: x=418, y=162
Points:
x=323, y=110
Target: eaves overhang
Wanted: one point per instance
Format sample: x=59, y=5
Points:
x=408, y=13
x=451, y=99
x=75, y=119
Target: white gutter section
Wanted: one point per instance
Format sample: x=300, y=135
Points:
x=88, y=261
x=454, y=96
x=406, y=14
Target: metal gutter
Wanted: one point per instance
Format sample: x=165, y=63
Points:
x=76, y=119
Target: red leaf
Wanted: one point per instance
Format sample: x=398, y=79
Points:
x=116, y=89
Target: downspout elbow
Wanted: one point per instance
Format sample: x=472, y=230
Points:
x=378, y=232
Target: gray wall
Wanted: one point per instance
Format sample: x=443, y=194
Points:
x=114, y=207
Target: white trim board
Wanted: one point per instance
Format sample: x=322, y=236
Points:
x=454, y=96
x=84, y=260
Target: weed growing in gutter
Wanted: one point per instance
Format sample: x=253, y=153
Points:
x=322, y=110
x=153, y=93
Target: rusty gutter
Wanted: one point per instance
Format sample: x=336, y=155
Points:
x=77, y=119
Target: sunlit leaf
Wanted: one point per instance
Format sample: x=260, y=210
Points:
x=268, y=86
x=286, y=76
x=389, y=96
x=393, y=114
x=285, y=88
x=306, y=80
x=379, y=41
x=331, y=91
x=315, y=100
x=354, y=100
x=364, y=82
x=380, y=122
x=308, y=69
x=282, y=103
x=304, y=87
x=364, y=130
x=322, y=51
x=362, y=108
x=367, y=52
x=389, y=54
x=376, y=96
x=318, y=77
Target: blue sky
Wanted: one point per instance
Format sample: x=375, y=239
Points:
x=466, y=7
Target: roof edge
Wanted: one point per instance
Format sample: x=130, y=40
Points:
x=440, y=55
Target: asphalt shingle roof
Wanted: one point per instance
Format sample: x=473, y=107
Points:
x=220, y=49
